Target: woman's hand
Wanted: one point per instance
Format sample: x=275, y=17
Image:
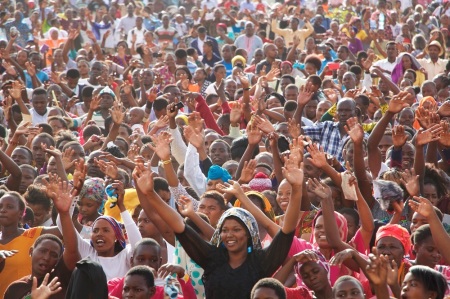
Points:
x=411, y=182
x=66, y=158
x=232, y=188
x=120, y=191
x=318, y=156
x=422, y=206
x=117, y=112
x=79, y=175
x=254, y=135
x=321, y=190
x=399, y=136
x=293, y=172
x=4, y=254
x=109, y=168
x=169, y=269
x=354, y=130
x=186, y=206
x=46, y=289
x=339, y=258
x=248, y=171
x=143, y=177
x=161, y=145
x=307, y=255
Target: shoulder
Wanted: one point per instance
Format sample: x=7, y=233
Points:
x=19, y=288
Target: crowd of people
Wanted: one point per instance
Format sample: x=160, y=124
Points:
x=224, y=150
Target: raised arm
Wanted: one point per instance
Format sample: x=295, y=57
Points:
x=424, y=207
x=62, y=199
x=396, y=104
x=15, y=177
x=234, y=189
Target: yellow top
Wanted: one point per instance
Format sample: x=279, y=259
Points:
x=19, y=265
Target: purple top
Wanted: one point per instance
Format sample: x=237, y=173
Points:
x=355, y=46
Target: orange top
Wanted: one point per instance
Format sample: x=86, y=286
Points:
x=19, y=265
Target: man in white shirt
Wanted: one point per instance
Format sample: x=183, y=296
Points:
x=434, y=65
x=136, y=34
x=249, y=41
x=127, y=22
x=39, y=112
x=387, y=65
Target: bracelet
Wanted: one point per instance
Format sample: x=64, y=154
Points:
x=246, y=89
x=166, y=162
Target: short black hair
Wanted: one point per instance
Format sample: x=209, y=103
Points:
x=181, y=53
x=73, y=73
x=217, y=197
x=54, y=238
x=145, y=272
x=270, y=283
x=63, y=137
x=287, y=76
x=431, y=279
x=146, y=242
x=160, y=184
x=238, y=147
x=39, y=91
x=421, y=234
x=160, y=104
x=46, y=129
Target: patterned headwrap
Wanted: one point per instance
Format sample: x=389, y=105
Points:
x=395, y=231
x=93, y=189
x=322, y=261
x=341, y=223
x=216, y=172
x=260, y=182
x=247, y=220
x=267, y=207
x=117, y=229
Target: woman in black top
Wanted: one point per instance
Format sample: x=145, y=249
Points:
x=234, y=260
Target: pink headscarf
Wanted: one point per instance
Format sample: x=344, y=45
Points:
x=341, y=223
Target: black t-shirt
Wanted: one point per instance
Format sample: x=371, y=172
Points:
x=22, y=288
x=223, y=282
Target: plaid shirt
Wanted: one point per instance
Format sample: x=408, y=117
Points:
x=327, y=134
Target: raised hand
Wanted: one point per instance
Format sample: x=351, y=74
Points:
x=399, y=136
x=133, y=152
x=351, y=93
x=63, y=198
x=79, y=175
x=236, y=112
x=292, y=172
x=186, y=206
x=117, y=113
x=66, y=158
x=318, y=156
x=272, y=75
x=31, y=68
x=426, y=118
x=254, y=135
x=16, y=90
x=248, y=170
x=23, y=129
x=377, y=271
x=263, y=124
x=321, y=190
x=430, y=135
x=143, y=177
x=296, y=149
x=95, y=103
x=46, y=289
x=52, y=151
x=196, y=122
x=354, y=130
x=445, y=135
x=109, y=168
x=399, y=101
x=197, y=139
x=444, y=110
x=294, y=128
x=232, y=188
x=422, y=206
x=411, y=182
x=161, y=145
x=305, y=94
x=162, y=122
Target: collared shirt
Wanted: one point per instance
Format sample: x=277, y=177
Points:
x=289, y=34
x=432, y=68
x=385, y=65
x=328, y=135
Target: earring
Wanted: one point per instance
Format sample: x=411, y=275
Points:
x=249, y=249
